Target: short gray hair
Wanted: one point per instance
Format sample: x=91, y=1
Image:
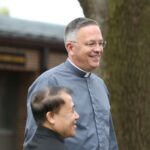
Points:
x=75, y=25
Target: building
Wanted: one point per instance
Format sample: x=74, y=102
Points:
x=27, y=49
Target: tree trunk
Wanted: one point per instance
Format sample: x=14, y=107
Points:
x=127, y=59
x=96, y=9
x=126, y=68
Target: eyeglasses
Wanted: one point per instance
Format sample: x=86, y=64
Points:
x=93, y=44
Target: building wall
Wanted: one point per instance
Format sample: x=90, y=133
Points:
x=24, y=64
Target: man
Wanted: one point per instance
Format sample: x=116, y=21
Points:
x=84, y=44
x=55, y=116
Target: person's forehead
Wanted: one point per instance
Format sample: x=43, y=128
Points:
x=67, y=97
x=89, y=32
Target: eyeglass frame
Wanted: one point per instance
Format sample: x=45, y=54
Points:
x=92, y=44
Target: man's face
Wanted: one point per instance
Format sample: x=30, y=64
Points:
x=66, y=118
x=87, y=50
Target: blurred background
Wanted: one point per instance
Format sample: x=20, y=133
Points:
x=31, y=41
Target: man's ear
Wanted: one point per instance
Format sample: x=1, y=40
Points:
x=70, y=48
x=50, y=117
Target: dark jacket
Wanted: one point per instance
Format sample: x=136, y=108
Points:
x=46, y=139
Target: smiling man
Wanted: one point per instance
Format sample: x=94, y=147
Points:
x=85, y=45
x=55, y=116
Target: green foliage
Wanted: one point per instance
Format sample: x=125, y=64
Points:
x=4, y=11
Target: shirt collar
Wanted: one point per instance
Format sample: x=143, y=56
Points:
x=78, y=70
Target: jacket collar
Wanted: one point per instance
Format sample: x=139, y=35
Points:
x=48, y=132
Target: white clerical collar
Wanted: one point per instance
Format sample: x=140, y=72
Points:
x=86, y=73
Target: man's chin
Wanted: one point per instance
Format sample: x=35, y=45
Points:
x=95, y=65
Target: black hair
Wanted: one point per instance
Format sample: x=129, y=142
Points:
x=46, y=100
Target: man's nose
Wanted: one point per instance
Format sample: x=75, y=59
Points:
x=77, y=115
x=98, y=48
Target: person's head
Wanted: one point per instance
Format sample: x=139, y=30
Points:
x=84, y=43
x=53, y=108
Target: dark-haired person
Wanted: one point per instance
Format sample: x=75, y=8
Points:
x=55, y=116
x=85, y=45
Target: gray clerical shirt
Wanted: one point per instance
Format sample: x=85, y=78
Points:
x=94, y=128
